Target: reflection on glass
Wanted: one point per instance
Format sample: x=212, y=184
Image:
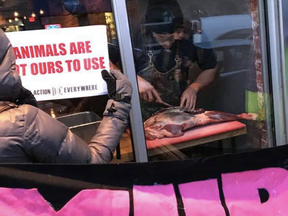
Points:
x=285, y=36
x=200, y=76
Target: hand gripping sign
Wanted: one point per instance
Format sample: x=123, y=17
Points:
x=62, y=63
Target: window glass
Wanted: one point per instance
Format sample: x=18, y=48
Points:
x=200, y=77
x=79, y=113
x=285, y=41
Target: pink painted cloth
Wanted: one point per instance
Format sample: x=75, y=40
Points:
x=19, y=202
x=242, y=197
x=197, y=133
x=96, y=202
x=201, y=198
x=159, y=200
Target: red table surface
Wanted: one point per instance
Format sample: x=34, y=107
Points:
x=197, y=133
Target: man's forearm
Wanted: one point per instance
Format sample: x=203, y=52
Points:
x=204, y=79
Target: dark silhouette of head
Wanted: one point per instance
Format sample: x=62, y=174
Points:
x=163, y=17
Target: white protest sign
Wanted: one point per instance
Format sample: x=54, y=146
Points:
x=62, y=63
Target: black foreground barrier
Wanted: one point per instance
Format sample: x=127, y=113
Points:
x=59, y=183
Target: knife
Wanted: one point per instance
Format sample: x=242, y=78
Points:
x=161, y=103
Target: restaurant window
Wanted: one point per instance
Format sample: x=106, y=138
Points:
x=81, y=114
x=202, y=82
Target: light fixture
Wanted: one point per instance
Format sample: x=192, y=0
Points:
x=41, y=11
x=16, y=14
x=10, y=20
x=25, y=17
x=16, y=19
x=33, y=15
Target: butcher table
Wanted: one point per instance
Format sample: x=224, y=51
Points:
x=193, y=137
x=197, y=136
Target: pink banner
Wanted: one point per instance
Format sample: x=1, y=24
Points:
x=243, y=193
x=154, y=200
x=242, y=196
x=20, y=202
x=204, y=194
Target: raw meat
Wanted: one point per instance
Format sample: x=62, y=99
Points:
x=172, y=122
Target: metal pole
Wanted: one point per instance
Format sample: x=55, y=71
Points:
x=265, y=70
x=124, y=39
x=277, y=71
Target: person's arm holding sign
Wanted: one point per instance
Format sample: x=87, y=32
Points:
x=104, y=142
x=114, y=122
x=58, y=144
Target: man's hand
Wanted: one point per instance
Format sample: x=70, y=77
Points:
x=119, y=87
x=147, y=91
x=188, y=98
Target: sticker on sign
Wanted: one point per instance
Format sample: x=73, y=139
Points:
x=62, y=63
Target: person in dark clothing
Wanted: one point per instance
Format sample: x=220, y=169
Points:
x=28, y=134
x=163, y=76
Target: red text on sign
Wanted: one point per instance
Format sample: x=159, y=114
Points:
x=80, y=47
x=46, y=68
x=21, y=69
x=37, y=51
x=94, y=63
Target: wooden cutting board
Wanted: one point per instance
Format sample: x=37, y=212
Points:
x=203, y=134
